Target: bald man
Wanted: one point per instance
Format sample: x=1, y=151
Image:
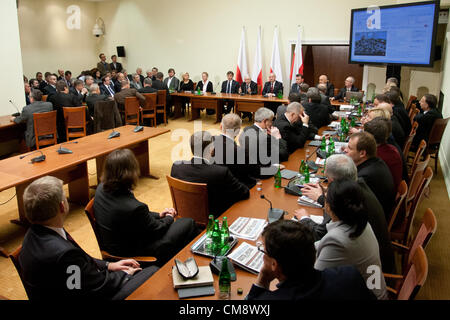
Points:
x=323, y=79
x=272, y=87
x=349, y=86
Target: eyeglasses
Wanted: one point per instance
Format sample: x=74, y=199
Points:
x=260, y=247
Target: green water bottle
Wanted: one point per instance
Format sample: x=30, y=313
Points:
x=331, y=147
x=209, y=230
x=224, y=281
x=323, y=145
x=225, y=233
x=302, y=166
x=278, y=178
x=359, y=111
x=324, y=164
x=352, y=123
x=216, y=238
x=306, y=173
x=198, y=91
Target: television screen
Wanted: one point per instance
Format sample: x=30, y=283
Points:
x=401, y=34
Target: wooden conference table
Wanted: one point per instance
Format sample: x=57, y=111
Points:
x=11, y=136
x=242, y=103
x=160, y=285
x=72, y=168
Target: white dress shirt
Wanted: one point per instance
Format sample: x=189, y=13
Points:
x=59, y=231
x=205, y=85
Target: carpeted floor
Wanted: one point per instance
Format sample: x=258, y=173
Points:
x=163, y=151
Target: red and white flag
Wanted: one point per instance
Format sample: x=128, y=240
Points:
x=297, y=59
x=257, y=65
x=241, y=69
x=275, y=62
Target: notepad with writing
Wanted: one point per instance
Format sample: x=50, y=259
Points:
x=203, y=278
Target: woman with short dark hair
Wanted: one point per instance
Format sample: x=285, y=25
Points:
x=126, y=226
x=350, y=239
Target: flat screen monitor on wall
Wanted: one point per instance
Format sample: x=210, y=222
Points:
x=399, y=34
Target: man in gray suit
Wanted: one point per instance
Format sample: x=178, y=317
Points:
x=172, y=82
x=103, y=66
x=36, y=106
x=298, y=81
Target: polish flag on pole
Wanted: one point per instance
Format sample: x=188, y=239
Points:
x=297, y=60
x=257, y=65
x=275, y=62
x=241, y=69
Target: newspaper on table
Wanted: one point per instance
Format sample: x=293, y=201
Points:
x=317, y=219
x=247, y=257
x=247, y=228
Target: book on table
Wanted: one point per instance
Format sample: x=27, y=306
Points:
x=203, y=278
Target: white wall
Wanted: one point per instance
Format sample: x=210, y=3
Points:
x=11, y=81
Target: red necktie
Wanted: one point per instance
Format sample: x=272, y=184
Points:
x=271, y=88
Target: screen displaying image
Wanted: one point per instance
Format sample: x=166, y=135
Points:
x=401, y=34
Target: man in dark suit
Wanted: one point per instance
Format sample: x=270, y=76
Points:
x=54, y=267
x=426, y=118
x=44, y=82
x=229, y=154
x=349, y=81
x=60, y=74
x=68, y=78
x=27, y=89
x=229, y=86
x=141, y=77
x=93, y=97
x=248, y=86
x=324, y=99
x=296, y=85
x=147, y=87
x=293, y=132
x=399, y=110
x=289, y=256
x=362, y=148
x=341, y=167
x=125, y=92
x=51, y=86
x=323, y=79
x=223, y=188
x=103, y=66
x=382, y=101
x=79, y=90
x=317, y=112
x=172, y=82
x=107, y=87
x=158, y=84
x=63, y=99
x=36, y=106
x=263, y=144
x=114, y=65
x=117, y=84
x=272, y=87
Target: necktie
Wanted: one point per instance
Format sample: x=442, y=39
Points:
x=229, y=87
x=271, y=88
x=110, y=91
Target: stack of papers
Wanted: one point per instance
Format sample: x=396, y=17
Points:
x=346, y=107
x=247, y=257
x=305, y=201
x=313, y=217
x=334, y=124
x=247, y=228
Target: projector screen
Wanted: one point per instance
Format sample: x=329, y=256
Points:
x=401, y=34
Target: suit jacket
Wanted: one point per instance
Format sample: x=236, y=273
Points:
x=159, y=85
x=253, y=88
x=258, y=143
x=74, y=92
x=318, y=114
x=343, y=91
x=92, y=99
x=49, y=90
x=295, y=134
x=330, y=90
x=27, y=116
x=389, y=154
x=425, y=121
x=117, y=86
x=126, y=226
x=60, y=100
x=45, y=260
x=234, y=86
x=295, y=88
x=397, y=131
x=336, y=249
x=209, y=86
x=376, y=174
x=136, y=85
x=174, y=84
x=129, y=92
x=42, y=86
x=103, y=67
x=326, y=101
x=376, y=219
x=105, y=91
x=339, y=283
x=147, y=89
x=277, y=87
x=403, y=117
x=118, y=66
x=223, y=188
x=229, y=154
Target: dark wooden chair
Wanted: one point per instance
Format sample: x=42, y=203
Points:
x=75, y=118
x=434, y=139
x=410, y=283
x=190, y=199
x=419, y=152
x=45, y=128
x=44, y=97
x=426, y=230
x=132, y=110
x=106, y=116
x=149, y=110
x=410, y=101
x=413, y=111
x=410, y=139
x=161, y=103
x=89, y=210
x=14, y=256
x=400, y=206
x=416, y=177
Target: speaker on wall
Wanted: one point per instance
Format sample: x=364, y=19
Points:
x=121, y=51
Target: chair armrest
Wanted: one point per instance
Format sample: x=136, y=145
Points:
x=393, y=276
x=399, y=246
x=389, y=289
x=107, y=256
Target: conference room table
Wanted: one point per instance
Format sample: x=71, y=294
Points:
x=160, y=285
x=242, y=103
x=11, y=136
x=72, y=168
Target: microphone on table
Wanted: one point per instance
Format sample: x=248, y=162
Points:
x=138, y=128
x=35, y=159
x=18, y=112
x=273, y=214
x=62, y=150
x=114, y=134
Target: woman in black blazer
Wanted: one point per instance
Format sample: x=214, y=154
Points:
x=209, y=88
x=126, y=226
x=186, y=84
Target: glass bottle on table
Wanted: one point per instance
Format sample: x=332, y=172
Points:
x=306, y=173
x=278, y=178
x=323, y=145
x=216, y=238
x=224, y=281
x=225, y=233
x=209, y=230
x=302, y=166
